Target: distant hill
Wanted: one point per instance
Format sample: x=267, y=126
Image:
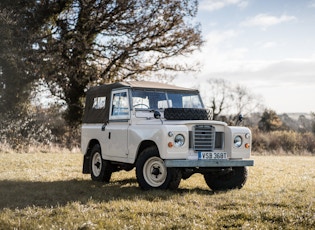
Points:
x=295, y=116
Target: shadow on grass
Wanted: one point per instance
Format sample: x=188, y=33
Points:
x=21, y=194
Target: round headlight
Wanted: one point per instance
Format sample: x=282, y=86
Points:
x=179, y=140
x=237, y=141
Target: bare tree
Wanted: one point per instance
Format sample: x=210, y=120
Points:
x=245, y=101
x=228, y=100
x=217, y=96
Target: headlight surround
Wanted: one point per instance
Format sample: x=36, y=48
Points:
x=238, y=141
x=179, y=140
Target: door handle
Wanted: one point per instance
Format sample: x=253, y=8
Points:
x=104, y=126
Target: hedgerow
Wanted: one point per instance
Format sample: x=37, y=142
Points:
x=285, y=141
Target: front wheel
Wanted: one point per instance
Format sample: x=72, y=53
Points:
x=100, y=169
x=233, y=179
x=152, y=173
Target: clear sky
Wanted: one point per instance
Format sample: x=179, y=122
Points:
x=266, y=45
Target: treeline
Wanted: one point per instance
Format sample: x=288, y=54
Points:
x=46, y=128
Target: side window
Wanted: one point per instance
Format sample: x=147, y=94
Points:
x=99, y=103
x=120, y=105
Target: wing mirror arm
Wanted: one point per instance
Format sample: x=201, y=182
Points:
x=240, y=119
x=157, y=115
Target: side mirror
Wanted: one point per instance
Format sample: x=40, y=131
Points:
x=240, y=118
x=157, y=114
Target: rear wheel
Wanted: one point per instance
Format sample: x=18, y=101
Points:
x=100, y=169
x=152, y=173
x=233, y=179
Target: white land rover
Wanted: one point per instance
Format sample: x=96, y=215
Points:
x=165, y=133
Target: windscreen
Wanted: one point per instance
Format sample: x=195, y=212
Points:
x=143, y=100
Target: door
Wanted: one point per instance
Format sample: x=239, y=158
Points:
x=116, y=131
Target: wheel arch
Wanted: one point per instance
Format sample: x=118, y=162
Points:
x=146, y=144
x=87, y=156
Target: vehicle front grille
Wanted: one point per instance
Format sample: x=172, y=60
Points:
x=203, y=138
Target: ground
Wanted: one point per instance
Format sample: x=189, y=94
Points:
x=48, y=191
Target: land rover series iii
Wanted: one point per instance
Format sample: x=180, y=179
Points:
x=165, y=133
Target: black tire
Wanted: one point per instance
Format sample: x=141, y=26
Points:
x=100, y=169
x=186, y=114
x=234, y=179
x=152, y=173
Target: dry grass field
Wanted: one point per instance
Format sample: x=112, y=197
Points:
x=48, y=191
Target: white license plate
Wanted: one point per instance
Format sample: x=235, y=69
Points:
x=211, y=156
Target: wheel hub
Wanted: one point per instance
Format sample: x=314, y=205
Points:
x=156, y=171
x=97, y=164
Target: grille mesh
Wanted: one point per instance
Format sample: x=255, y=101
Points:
x=204, y=138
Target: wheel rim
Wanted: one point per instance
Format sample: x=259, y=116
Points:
x=154, y=171
x=97, y=164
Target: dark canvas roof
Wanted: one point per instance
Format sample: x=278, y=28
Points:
x=154, y=85
x=101, y=115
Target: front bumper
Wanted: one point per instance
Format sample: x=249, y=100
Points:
x=207, y=163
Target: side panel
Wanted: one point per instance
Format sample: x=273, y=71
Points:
x=89, y=132
x=159, y=135
x=113, y=140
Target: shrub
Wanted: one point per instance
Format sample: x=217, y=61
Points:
x=290, y=141
x=36, y=128
x=260, y=141
x=18, y=132
x=308, y=142
x=279, y=141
